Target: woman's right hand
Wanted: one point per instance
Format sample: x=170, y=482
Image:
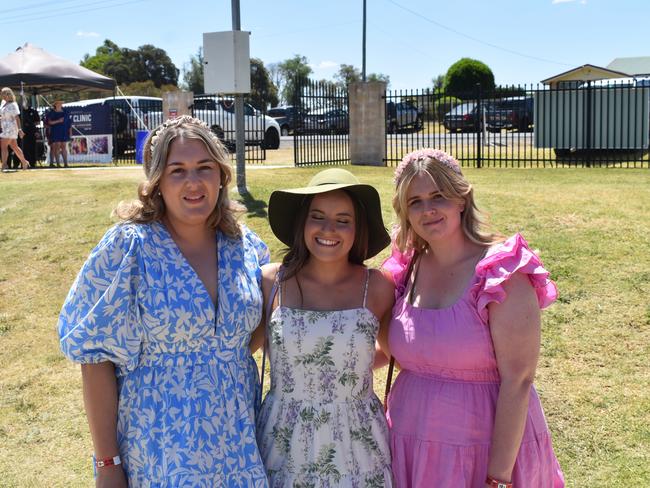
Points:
x=111, y=477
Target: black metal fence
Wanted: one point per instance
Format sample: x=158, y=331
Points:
x=603, y=123
x=322, y=123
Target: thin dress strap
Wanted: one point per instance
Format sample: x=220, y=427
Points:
x=278, y=280
x=365, y=288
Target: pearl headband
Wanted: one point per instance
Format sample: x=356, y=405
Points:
x=177, y=122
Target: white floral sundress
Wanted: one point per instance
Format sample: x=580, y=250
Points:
x=8, y=113
x=321, y=425
x=186, y=378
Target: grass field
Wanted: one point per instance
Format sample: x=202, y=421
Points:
x=590, y=225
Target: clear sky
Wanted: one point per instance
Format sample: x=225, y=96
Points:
x=412, y=41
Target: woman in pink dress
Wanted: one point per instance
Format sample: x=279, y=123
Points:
x=463, y=412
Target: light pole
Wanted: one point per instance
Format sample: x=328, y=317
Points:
x=239, y=117
x=363, y=49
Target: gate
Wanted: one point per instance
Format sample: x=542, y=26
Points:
x=604, y=125
x=320, y=135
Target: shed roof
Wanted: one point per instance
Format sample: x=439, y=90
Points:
x=631, y=66
x=584, y=73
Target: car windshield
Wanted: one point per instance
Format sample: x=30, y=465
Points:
x=463, y=109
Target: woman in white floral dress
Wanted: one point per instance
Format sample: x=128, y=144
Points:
x=11, y=131
x=321, y=425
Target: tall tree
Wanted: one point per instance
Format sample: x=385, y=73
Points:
x=463, y=76
x=349, y=74
x=276, y=75
x=293, y=70
x=379, y=77
x=438, y=82
x=193, y=73
x=127, y=65
x=263, y=91
x=157, y=65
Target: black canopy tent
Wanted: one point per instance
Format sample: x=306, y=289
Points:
x=34, y=69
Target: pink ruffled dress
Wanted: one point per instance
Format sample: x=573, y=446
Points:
x=441, y=408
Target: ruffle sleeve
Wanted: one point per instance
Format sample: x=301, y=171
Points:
x=504, y=260
x=397, y=264
x=100, y=318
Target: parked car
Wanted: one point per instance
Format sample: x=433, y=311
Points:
x=511, y=113
x=403, y=115
x=463, y=118
x=219, y=114
x=289, y=118
x=328, y=121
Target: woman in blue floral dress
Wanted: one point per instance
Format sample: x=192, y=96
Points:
x=321, y=425
x=160, y=317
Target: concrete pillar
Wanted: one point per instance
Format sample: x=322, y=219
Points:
x=367, y=123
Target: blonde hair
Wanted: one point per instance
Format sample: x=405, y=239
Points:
x=150, y=206
x=452, y=186
x=6, y=90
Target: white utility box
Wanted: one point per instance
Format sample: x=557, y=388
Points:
x=226, y=62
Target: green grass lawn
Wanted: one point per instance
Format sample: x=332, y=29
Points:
x=590, y=225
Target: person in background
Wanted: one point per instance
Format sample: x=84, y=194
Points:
x=466, y=333
x=321, y=423
x=160, y=318
x=58, y=121
x=30, y=121
x=11, y=129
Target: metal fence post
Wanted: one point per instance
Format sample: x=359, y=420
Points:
x=479, y=129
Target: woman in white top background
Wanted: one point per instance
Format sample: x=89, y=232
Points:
x=11, y=129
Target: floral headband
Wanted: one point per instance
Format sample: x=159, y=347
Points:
x=441, y=156
x=177, y=122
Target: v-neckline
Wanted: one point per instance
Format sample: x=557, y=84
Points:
x=177, y=250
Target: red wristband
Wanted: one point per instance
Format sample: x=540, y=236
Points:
x=492, y=483
x=114, y=461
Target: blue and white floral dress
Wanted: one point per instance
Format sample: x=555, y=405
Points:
x=186, y=379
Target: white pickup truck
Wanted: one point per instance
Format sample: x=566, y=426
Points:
x=219, y=114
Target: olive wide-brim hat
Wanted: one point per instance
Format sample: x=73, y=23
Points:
x=284, y=206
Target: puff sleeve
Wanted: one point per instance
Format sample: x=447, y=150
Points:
x=397, y=264
x=258, y=245
x=512, y=256
x=100, y=319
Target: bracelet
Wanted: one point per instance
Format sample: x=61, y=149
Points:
x=100, y=463
x=492, y=483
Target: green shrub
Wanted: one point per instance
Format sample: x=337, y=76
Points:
x=463, y=76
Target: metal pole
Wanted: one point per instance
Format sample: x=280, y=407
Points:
x=363, y=49
x=239, y=117
x=479, y=156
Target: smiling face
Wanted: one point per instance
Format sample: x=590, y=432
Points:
x=330, y=226
x=189, y=183
x=431, y=215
